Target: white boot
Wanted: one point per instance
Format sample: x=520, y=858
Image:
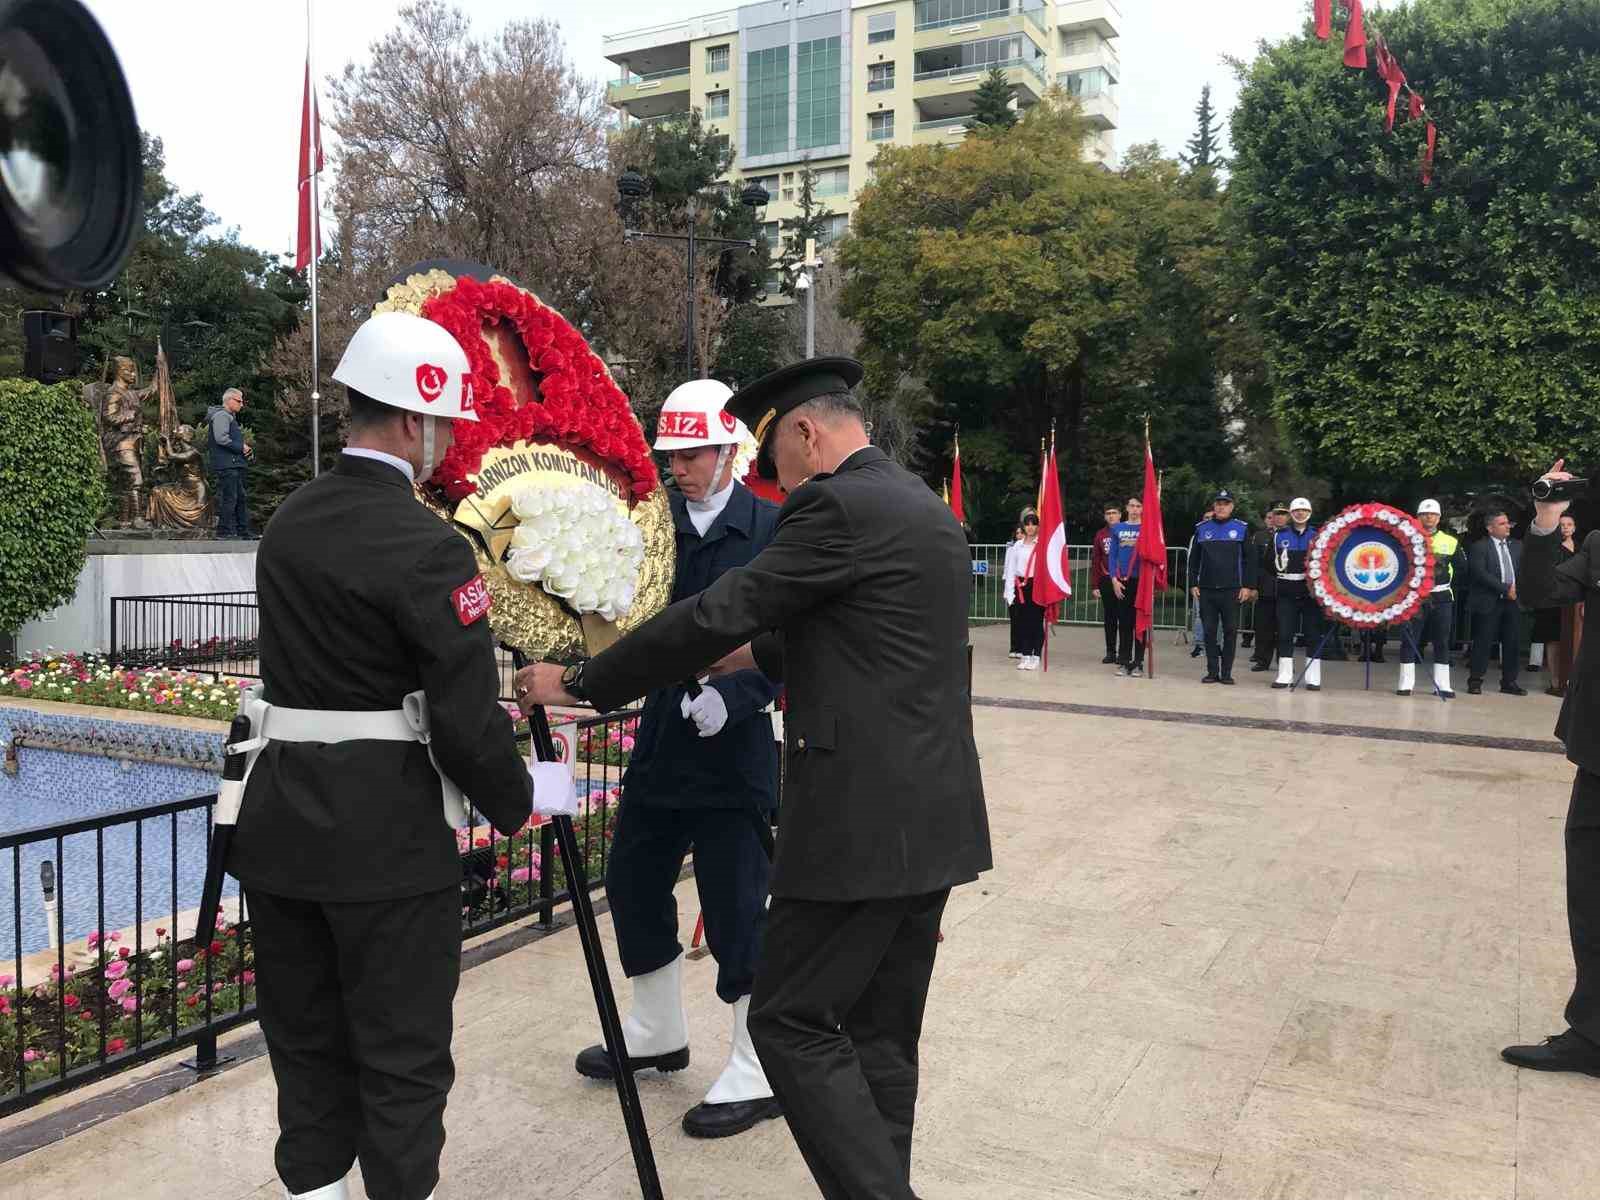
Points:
x=1408, y=679
x=333, y=1191
x=1536, y=654
x=1314, y=675
x=1441, y=680
x=657, y=1024
x=741, y=1098
x=1033, y=662
x=1285, y=671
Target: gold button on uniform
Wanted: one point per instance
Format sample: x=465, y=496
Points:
x=800, y=744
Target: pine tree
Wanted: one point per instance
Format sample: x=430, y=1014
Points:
x=1205, y=145
x=992, y=108
x=813, y=222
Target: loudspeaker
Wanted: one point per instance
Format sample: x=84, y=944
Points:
x=50, y=345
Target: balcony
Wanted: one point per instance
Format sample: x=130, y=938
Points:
x=1102, y=16
x=938, y=34
x=948, y=91
x=1101, y=109
x=656, y=94
x=945, y=132
x=1086, y=52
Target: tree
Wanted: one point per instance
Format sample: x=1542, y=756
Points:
x=1429, y=333
x=1205, y=147
x=993, y=107
x=52, y=491
x=756, y=340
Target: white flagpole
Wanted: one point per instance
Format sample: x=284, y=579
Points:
x=316, y=244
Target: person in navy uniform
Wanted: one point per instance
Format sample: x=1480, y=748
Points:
x=1222, y=575
x=1298, y=611
x=350, y=869
x=859, y=605
x=1266, y=607
x=700, y=767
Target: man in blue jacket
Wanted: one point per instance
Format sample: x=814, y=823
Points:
x=228, y=454
x=1222, y=574
x=700, y=769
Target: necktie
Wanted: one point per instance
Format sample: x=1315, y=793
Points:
x=1506, y=576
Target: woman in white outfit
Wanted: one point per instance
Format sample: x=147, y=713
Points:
x=1027, y=618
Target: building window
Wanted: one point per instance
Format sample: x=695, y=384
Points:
x=834, y=181
x=767, y=101
x=880, y=28
x=1086, y=84
x=769, y=230
x=719, y=143
x=769, y=184
x=880, y=77
x=833, y=228
x=716, y=105
x=931, y=14
x=880, y=126
x=816, y=109
x=716, y=60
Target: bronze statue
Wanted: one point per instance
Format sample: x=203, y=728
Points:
x=182, y=503
x=119, y=413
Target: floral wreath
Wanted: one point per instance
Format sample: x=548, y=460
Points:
x=1411, y=586
x=579, y=404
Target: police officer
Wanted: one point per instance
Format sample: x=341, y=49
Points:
x=1222, y=573
x=700, y=769
x=1298, y=611
x=1437, y=621
x=371, y=609
x=1266, y=608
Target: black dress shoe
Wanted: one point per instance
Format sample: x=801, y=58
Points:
x=1377, y=656
x=1402, y=691
x=1532, y=667
x=1226, y=681
x=1474, y=687
x=1276, y=684
x=1513, y=689
x=1209, y=678
x=1197, y=652
x=1555, y=691
x=1313, y=687
x=1110, y=658
x=725, y=1120
x=1569, y=1051
x=595, y=1063
x=1260, y=666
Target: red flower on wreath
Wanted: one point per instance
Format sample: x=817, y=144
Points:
x=579, y=405
x=1325, y=553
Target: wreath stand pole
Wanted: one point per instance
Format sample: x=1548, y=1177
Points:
x=594, y=957
x=1316, y=655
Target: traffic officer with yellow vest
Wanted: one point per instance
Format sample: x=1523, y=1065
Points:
x=378, y=709
x=1437, y=621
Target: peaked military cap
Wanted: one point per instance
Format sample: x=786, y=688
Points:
x=763, y=403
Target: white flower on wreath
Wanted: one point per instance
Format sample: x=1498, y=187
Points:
x=578, y=545
x=744, y=454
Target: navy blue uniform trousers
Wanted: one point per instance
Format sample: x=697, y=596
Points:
x=730, y=869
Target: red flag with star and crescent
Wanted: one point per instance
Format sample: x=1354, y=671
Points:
x=1052, y=580
x=1151, y=549
x=310, y=149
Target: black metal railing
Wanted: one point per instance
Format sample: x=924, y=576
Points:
x=215, y=632
x=98, y=978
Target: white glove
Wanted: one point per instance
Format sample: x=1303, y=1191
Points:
x=553, y=792
x=1011, y=595
x=708, y=710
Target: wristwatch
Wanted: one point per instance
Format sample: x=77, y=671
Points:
x=572, y=681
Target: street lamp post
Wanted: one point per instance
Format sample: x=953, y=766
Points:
x=634, y=186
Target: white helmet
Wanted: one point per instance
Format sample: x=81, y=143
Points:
x=693, y=416
x=1299, y=503
x=408, y=362
x=1428, y=506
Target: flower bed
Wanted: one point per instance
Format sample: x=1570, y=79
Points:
x=90, y=679
x=502, y=873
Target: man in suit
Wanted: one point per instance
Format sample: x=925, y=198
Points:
x=859, y=605
x=1493, y=603
x=1545, y=585
x=1266, y=606
x=349, y=865
x=703, y=770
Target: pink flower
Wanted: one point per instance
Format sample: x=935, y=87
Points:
x=93, y=940
x=116, y=935
x=120, y=988
x=130, y=1004
x=31, y=1056
x=24, y=684
x=249, y=977
x=114, y=1045
x=185, y=965
x=5, y=1004
x=627, y=743
x=521, y=875
x=70, y=1000
x=6, y=981
x=116, y=968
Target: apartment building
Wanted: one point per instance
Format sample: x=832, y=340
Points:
x=828, y=82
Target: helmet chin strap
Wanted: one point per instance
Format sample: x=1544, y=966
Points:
x=430, y=448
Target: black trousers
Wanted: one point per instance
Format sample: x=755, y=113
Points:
x=1298, y=612
x=1027, y=621
x=233, y=513
x=1130, y=651
x=836, y=1018
x=1583, y=902
x=1108, y=615
x=1266, y=629
x=1219, y=609
x=1434, y=626
x=355, y=1002
x=731, y=872
x=1503, y=624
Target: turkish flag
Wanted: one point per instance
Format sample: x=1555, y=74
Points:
x=1151, y=550
x=1416, y=107
x=1389, y=71
x=310, y=135
x=1427, y=155
x=1052, y=578
x=1324, y=15
x=1355, y=38
x=956, y=505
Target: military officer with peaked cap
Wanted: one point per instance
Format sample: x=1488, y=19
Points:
x=373, y=633
x=859, y=606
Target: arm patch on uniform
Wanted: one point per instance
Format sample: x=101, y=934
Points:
x=471, y=600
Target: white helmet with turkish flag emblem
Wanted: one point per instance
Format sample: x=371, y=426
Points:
x=408, y=362
x=693, y=416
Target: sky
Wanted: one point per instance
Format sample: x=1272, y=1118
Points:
x=219, y=81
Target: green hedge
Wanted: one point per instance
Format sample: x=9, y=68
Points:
x=52, y=491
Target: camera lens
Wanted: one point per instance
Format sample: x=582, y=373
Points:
x=70, y=165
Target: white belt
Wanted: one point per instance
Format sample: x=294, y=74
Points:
x=1293, y=578
x=274, y=723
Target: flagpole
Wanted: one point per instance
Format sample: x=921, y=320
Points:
x=316, y=247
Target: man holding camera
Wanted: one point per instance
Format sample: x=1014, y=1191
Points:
x=1546, y=582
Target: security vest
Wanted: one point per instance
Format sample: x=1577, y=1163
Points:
x=1445, y=546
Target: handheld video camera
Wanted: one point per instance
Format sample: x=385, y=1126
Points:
x=71, y=170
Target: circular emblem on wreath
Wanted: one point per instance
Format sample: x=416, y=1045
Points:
x=1371, y=565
